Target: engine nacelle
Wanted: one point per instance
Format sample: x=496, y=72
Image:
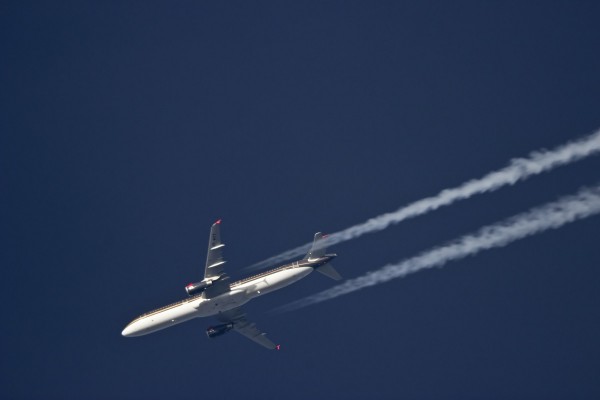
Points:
x=214, y=331
x=198, y=287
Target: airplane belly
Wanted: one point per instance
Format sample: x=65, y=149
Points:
x=285, y=277
x=272, y=282
x=223, y=302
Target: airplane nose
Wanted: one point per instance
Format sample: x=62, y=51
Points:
x=127, y=331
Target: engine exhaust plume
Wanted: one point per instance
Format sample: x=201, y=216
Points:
x=550, y=216
x=517, y=170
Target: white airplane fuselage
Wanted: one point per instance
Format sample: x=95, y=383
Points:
x=240, y=293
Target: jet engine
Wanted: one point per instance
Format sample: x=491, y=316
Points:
x=214, y=331
x=198, y=287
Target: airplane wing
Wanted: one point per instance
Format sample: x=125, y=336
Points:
x=246, y=328
x=214, y=257
x=214, y=269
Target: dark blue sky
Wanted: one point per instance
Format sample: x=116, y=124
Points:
x=128, y=128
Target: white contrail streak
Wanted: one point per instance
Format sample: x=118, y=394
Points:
x=550, y=216
x=518, y=169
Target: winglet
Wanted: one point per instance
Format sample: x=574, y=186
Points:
x=278, y=347
x=218, y=222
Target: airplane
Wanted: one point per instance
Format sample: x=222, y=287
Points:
x=216, y=296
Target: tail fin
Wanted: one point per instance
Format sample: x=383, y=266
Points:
x=318, y=248
x=317, y=251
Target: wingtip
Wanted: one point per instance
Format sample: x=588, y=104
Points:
x=218, y=222
x=278, y=347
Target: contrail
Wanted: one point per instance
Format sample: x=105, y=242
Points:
x=518, y=169
x=550, y=216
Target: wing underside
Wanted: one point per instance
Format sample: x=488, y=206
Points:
x=214, y=269
x=246, y=328
x=214, y=257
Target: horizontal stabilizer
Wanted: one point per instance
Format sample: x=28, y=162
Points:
x=329, y=271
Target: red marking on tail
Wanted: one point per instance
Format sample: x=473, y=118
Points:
x=218, y=222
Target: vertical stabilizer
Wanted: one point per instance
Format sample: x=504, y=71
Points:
x=318, y=248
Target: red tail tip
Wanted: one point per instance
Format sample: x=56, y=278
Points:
x=218, y=222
